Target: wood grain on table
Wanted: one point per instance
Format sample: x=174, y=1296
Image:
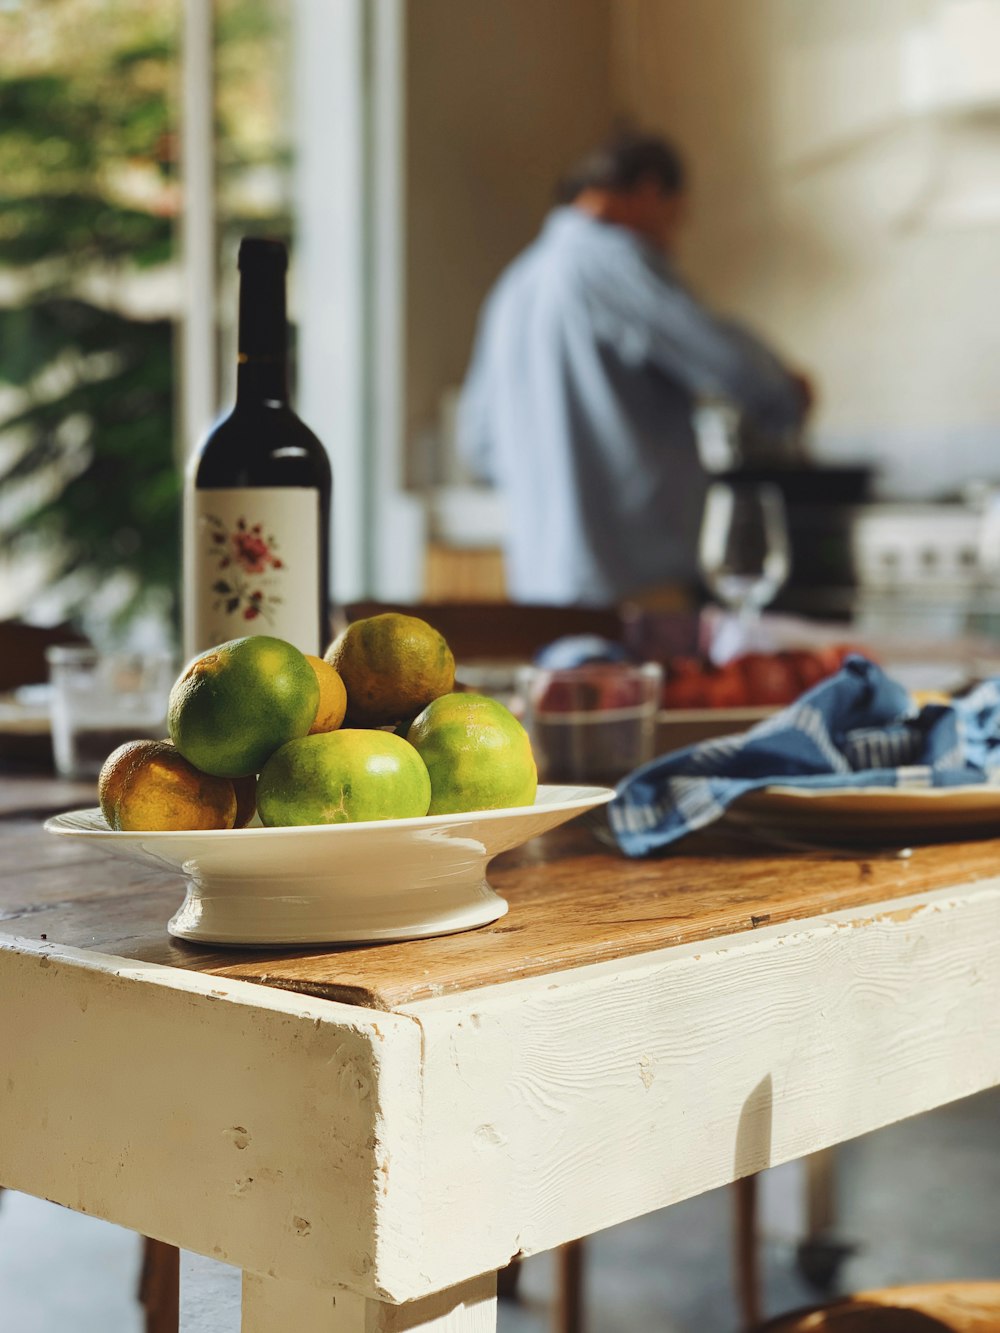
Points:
x=572, y=902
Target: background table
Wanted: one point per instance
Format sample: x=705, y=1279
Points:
x=371, y=1132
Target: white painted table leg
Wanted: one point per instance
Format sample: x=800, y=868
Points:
x=272, y=1305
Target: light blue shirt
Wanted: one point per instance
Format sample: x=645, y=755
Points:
x=589, y=356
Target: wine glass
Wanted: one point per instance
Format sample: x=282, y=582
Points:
x=743, y=549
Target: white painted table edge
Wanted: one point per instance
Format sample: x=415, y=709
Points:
x=434, y=1142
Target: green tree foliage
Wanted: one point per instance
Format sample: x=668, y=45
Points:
x=88, y=203
x=87, y=188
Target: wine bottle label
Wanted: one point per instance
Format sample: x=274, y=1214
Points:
x=252, y=566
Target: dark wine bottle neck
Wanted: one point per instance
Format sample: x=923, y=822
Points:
x=259, y=379
x=262, y=369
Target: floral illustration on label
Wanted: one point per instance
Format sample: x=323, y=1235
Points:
x=248, y=565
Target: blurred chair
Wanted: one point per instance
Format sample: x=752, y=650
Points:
x=22, y=651
x=22, y=662
x=159, y=1286
x=498, y=631
x=944, y=1307
x=569, y=1308
x=819, y=1254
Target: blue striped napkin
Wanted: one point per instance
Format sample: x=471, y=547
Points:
x=859, y=728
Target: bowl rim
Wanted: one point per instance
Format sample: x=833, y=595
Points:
x=588, y=796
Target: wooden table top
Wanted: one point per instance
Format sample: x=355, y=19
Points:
x=572, y=902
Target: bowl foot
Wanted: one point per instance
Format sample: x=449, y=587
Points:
x=221, y=914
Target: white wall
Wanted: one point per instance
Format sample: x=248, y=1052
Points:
x=501, y=99
x=834, y=212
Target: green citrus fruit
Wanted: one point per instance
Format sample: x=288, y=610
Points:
x=392, y=666
x=341, y=777
x=232, y=707
x=477, y=753
x=148, y=785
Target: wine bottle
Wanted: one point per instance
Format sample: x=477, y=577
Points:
x=257, y=497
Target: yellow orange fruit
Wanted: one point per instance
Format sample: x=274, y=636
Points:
x=148, y=785
x=392, y=665
x=232, y=707
x=341, y=777
x=477, y=753
x=332, y=696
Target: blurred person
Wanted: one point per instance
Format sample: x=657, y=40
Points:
x=589, y=357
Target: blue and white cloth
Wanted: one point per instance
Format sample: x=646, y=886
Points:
x=859, y=728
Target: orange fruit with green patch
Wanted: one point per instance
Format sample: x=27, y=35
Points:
x=343, y=777
x=148, y=785
x=477, y=753
x=392, y=665
x=232, y=707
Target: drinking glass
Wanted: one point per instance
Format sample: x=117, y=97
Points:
x=743, y=549
x=99, y=701
x=591, y=724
